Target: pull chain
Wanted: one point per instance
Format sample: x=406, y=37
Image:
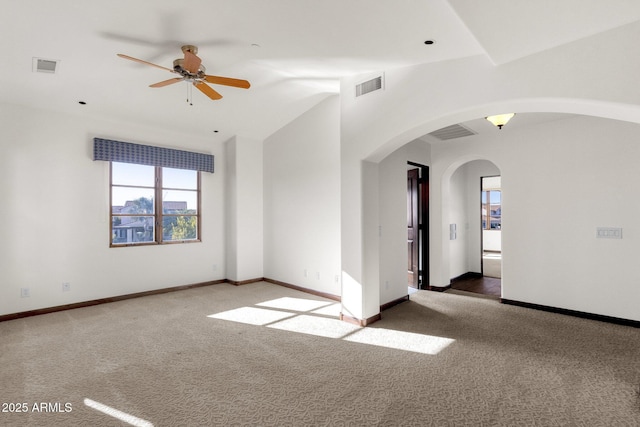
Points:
x=189, y=94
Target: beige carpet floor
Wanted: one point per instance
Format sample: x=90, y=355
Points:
x=265, y=355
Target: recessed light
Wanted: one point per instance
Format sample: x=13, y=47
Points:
x=215, y=131
x=255, y=45
x=429, y=42
x=82, y=103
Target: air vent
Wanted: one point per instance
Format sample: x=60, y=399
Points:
x=369, y=86
x=452, y=132
x=41, y=65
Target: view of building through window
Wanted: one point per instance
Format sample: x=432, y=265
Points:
x=153, y=204
x=491, y=204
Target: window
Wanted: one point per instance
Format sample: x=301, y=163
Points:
x=154, y=192
x=491, y=203
x=491, y=210
x=154, y=205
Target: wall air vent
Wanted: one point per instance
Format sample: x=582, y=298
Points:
x=369, y=86
x=41, y=65
x=452, y=132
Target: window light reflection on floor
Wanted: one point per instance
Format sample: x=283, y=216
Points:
x=122, y=416
x=314, y=325
x=252, y=315
x=330, y=310
x=400, y=340
x=319, y=318
x=294, y=304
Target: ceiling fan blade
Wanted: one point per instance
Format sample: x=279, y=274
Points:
x=144, y=62
x=167, y=82
x=227, y=81
x=191, y=62
x=204, y=88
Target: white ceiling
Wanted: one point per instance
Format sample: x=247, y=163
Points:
x=519, y=122
x=304, y=47
x=512, y=29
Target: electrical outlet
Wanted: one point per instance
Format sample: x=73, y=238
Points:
x=215, y=267
x=317, y=275
x=25, y=292
x=609, y=233
x=305, y=272
x=66, y=287
x=337, y=278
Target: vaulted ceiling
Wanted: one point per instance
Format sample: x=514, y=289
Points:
x=293, y=52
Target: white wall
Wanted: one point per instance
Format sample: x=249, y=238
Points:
x=458, y=214
x=582, y=172
x=55, y=212
x=492, y=240
x=560, y=182
x=244, y=209
x=302, y=200
x=393, y=226
x=392, y=219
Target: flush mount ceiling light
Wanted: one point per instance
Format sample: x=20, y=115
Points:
x=500, y=120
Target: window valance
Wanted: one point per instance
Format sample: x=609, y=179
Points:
x=127, y=152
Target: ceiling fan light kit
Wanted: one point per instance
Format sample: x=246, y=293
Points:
x=192, y=71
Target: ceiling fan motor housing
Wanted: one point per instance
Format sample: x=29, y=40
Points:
x=178, y=67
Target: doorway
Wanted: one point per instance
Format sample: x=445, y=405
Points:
x=491, y=211
x=417, y=226
x=474, y=202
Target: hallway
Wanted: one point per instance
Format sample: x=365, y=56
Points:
x=479, y=285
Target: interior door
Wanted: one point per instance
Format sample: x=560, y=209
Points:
x=413, y=176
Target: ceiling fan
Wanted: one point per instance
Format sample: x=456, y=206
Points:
x=191, y=70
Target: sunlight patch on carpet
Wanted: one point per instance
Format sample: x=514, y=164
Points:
x=400, y=340
x=294, y=304
x=321, y=318
x=330, y=310
x=319, y=326
x=252, y=315
x=122, y=416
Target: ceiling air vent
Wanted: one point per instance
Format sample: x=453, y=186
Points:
x=369, y=86
x=452, y=132
x=41, y=65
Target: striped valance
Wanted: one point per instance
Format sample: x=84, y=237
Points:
x=127, y=152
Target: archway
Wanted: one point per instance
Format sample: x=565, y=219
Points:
x=469, y=228
x=578, y=106
x=359, y=261
x=443, y=166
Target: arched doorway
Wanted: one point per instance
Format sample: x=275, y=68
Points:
x=444, y=160
x=474, y=230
